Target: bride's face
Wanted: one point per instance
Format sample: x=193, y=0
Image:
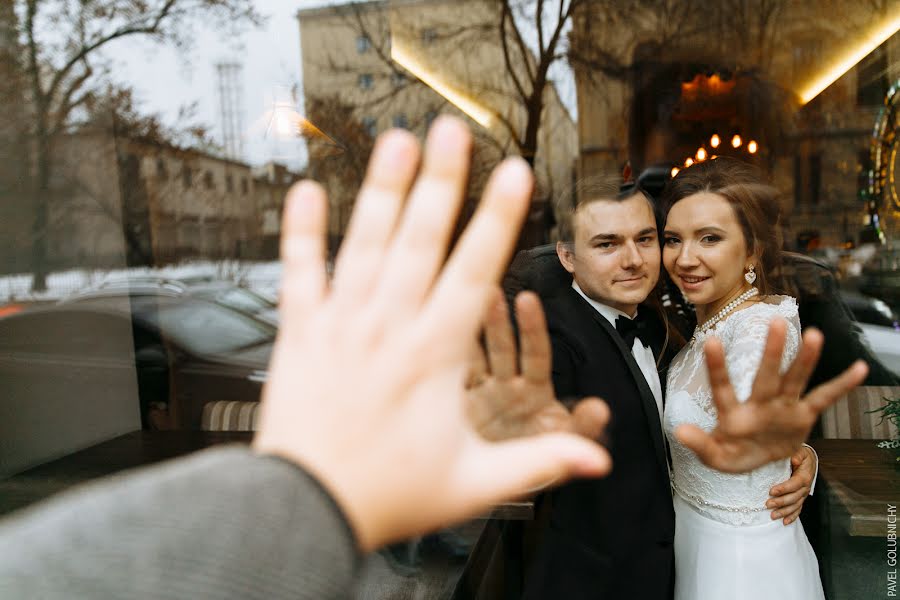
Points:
x=705, y=251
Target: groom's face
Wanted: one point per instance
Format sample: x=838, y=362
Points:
x=614, y=257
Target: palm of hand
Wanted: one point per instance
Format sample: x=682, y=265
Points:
x=775, y=420
x=503, y=409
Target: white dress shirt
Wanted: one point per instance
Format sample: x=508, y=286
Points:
x=643, y=355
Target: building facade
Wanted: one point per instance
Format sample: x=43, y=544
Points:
x=371, y=66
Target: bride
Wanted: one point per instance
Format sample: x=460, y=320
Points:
x=721, y=248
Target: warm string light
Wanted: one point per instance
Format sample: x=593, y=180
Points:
x=715, y=141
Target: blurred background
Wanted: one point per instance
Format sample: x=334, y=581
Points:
x=146, y=148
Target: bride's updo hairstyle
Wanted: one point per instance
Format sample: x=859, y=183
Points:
x=755, y=204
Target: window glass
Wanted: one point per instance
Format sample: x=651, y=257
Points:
x=146, y=149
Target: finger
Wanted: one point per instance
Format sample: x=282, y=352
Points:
x=833, y=390
x=458, y=300
x=590, y=417
x=787, y=514
x=787, y=503
x=535, y=354
x=478, y=371
x=391, y=170
x=798, y=374
x=720, y=385
x=794, y=483
x=420, y=245
x=701, y=443
x=792, y=517
x=303, y=252
x=510, y=469
x=767, y=382
x=498, y=336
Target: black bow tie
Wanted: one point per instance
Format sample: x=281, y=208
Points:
x=630, y=329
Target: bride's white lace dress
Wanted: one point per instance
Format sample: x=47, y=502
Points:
x=726, y=544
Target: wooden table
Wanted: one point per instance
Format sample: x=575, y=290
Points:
x=863, y=479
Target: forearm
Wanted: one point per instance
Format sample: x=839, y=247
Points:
x=222, y=524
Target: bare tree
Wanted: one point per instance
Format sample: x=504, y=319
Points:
x=62, y=44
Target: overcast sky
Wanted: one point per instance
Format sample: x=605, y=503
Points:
x=167, y=79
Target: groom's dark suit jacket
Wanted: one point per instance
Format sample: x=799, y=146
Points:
x=609, y=538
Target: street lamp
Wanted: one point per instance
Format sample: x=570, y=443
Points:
x=752, y=147
x=736, y=141
x=714, y=141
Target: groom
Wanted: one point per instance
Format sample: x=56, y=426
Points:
x=613, y=537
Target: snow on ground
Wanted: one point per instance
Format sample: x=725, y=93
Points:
x=261, y=277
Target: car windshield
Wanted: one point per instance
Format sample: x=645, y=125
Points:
x=205, y=328
x=240, y=299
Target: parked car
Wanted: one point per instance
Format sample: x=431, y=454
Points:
x=221, y=292
x=880, y=326
x=867, y=309
x=885, y=345
x=185, y=351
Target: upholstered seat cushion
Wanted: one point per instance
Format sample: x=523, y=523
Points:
x=230, y=416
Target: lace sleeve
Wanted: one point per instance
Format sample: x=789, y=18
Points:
x=745, y=342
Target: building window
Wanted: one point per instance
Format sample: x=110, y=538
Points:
x=208, y=182
x=229, y=183
x=401, y=121
x=398, y=79
x=428, y=36
x=871, y=79
x=815, y=179
x=363, y=44
x=187, y=177
x=161, y=171
x=245, y=186
x=370, y=126
x=365, y=81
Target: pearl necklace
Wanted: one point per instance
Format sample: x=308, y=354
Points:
x=726, y=310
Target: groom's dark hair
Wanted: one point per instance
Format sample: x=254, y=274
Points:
x=594, y=188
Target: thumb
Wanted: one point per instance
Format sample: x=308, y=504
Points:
x=514, y=468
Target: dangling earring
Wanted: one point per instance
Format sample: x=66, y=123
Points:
x=750, y=275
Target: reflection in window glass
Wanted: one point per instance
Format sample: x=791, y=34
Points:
x=203, y=328
x=166, y=156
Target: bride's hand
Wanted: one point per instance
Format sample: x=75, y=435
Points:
x=774, y=421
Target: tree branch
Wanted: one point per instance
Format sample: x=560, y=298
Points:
x=128, y=29
x=507, y=59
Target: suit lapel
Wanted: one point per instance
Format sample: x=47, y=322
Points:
x=648, y=402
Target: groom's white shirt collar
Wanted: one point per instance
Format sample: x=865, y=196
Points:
x=610, y=313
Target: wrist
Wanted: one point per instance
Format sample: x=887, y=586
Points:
x=339, y=484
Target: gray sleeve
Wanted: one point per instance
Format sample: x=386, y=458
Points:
x=223, y=523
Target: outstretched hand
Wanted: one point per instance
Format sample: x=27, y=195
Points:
x=510, y=392
x=775, y=420
x=366, y=387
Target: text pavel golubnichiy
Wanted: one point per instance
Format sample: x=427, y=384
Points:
x=892, y=551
